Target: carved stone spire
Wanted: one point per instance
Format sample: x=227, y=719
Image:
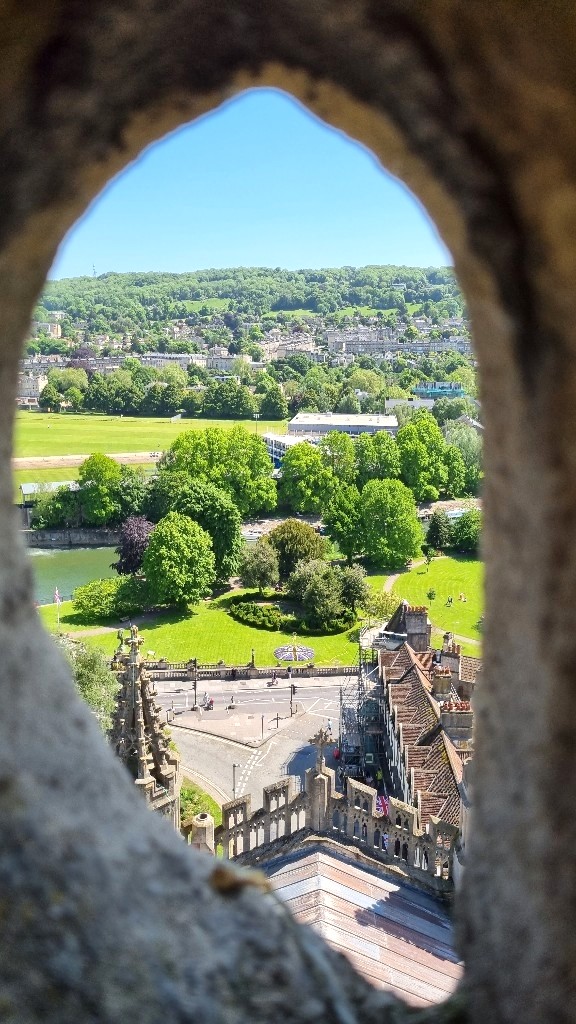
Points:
x=320, y=740
x=137, y=734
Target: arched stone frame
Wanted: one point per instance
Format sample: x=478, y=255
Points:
x=473, y=105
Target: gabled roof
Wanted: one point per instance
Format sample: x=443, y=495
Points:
x=396, y=936
x=428, y=749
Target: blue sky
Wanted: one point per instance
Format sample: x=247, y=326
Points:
x=260, y=182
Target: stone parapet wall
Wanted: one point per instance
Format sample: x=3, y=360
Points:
x=392, y=838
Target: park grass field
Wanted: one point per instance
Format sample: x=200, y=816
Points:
x=40, y=434
x=449, y=577
x=208, y=633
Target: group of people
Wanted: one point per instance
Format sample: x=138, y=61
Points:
x=450, y=600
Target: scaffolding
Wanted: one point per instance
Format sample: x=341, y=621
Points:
x=361, y=721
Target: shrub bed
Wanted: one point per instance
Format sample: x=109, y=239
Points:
x=271, y=617
x=266, y=616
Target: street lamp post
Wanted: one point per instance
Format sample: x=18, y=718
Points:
x=234, y=767
x=256, y=417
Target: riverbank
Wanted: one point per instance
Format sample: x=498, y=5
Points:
x=100, y=537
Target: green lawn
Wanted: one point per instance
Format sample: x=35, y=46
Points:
x=449, y=577
x=194, y=800
x=377, y=581
x=210, y=634
x=39, y=434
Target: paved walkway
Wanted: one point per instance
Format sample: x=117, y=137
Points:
x=244, y=729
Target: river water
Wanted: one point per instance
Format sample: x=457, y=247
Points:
x=68, y=568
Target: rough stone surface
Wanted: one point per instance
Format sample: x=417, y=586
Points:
x=104, y=914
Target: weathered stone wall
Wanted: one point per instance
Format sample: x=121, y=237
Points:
x=472, y=104
x=73, y=538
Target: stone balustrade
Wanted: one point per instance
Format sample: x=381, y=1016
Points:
x=393, y=838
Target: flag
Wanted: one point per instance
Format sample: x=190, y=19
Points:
x=57, y=598
x=382, y=804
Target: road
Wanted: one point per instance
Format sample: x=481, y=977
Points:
x=287, y=752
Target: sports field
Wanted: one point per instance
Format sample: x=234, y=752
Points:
x=41, y=434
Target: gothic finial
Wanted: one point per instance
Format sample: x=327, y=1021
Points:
x=319, y=741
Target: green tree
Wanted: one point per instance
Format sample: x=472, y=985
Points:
x=76, y=399
x=390, y=530
x=129, y=493
x=56, y=509
x=213, y=509
x=99, y=479
x=446, y=409
x=322, y=600
x=380, y=606
x=104, y=599
x=164, y=492
x=339, y=455
x=465, y=376
x=466, y=532
x=439, y=535
x=307, y=483
x=259, y=566
x=301, y=576
x=354, y=587
x=50, y=398
x=423, y=457
x=377, y=457
x=95, y=683
x=348, y=403
x=274, y=406
x=294, y=542
x=456, y=479
x=179, y=562
x=228, y=400
x=234, y=459
x=469, y=443
x=342, y=520
x=63, y=380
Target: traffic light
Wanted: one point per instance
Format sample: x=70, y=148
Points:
x=293, y=688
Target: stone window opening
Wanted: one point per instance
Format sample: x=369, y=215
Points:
x=473, y=107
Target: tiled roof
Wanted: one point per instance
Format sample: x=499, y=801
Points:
x=469, y=668
x=397, y=937
x=437, y=766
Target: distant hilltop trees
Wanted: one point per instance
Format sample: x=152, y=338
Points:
x=133, y=303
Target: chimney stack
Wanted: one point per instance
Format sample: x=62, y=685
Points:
x=457, y=720
x=441, y=680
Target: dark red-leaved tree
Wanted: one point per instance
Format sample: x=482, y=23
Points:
x=134, y=536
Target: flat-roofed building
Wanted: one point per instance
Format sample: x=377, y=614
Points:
x=278, y=444
x=316, y=424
